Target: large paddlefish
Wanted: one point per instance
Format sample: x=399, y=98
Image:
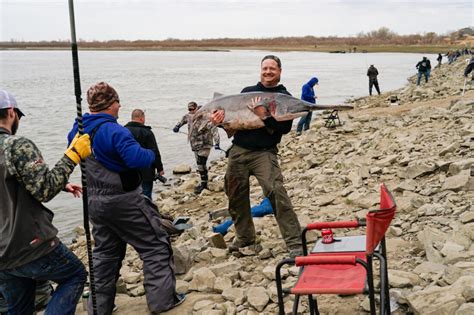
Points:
x=239, y=116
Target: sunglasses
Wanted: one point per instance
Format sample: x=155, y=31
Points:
x=18, y=113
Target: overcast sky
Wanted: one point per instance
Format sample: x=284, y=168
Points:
x=196, y=19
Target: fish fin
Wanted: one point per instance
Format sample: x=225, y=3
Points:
x=216, y=95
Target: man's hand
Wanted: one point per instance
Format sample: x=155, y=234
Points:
x=217, y=116
x=176, y=129
x=74, y=189
x=258, y=109
x=79, y=149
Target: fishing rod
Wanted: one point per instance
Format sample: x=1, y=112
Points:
x=184, y=133
x=77, y=91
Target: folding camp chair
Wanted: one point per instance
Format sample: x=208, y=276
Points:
x=346, y=265
x=332, y=118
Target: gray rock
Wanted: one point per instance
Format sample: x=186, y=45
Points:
x=182, y=169
x=451, y=274
x=430, y=209
x=203, y=280
x=456, y=167
x=223, y=269
x=429, y=267
x=428, y=237
x=420, y=168
x=461, y=181
x=468, y=293
x=182, y=259
x=236, y=295
x=467, y=217
x=465, y=309
x=257, y=298
x=220, y=284
x=182, y=286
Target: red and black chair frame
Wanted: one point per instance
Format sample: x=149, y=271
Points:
x=320, y=260
x=331, y=258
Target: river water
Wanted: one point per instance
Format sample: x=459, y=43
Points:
x=162, y=83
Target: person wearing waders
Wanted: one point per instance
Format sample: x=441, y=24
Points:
x=201, y=144
x=372, y=73
x=30, y=251
x=307, y=94
x=254, y=152
x=146, y=139
x=120, y=214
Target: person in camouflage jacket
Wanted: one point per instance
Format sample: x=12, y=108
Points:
x=201, y=144
x=29, y=248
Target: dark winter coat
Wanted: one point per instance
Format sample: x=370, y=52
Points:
x=266, y=137
x=146, y=139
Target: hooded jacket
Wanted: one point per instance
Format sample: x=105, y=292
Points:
x=112, y=144
x=307, y=91
x=372, y=73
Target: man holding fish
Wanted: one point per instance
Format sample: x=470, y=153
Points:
x=254, y=152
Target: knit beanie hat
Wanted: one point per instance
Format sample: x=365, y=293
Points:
x=101, y=96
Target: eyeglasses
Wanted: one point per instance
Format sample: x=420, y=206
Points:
x=273, y=57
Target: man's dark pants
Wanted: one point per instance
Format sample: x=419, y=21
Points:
x=374, y=82
x=264, y=166
x=18, y=285
x=138, y=226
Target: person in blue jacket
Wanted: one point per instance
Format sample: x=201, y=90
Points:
x=118, y=210
x=307, y=94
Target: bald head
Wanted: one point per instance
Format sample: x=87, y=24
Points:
x=138, y=115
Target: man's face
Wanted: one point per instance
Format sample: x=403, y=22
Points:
x=270, y=73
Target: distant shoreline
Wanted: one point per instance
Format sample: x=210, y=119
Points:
x=328, y=49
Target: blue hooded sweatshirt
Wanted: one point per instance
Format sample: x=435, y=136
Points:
x=113, y=145
x=307, y=92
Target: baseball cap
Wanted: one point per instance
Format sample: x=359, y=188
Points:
x=8, y=101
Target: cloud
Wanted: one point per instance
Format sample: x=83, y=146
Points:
x=196, y=19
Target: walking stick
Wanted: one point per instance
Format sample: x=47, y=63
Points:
x=464, y=88
x=77, y=90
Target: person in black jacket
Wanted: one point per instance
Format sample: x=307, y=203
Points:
x=146, y=139
x=424, y=69
x=372, y=73
x=254, y=152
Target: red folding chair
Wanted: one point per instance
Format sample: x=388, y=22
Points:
x=346, y=265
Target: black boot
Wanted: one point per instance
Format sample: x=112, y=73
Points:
x=199, y=188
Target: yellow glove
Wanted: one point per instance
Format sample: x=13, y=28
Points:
x=79, y=149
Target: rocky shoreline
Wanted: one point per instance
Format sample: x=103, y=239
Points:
x=422, y=149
